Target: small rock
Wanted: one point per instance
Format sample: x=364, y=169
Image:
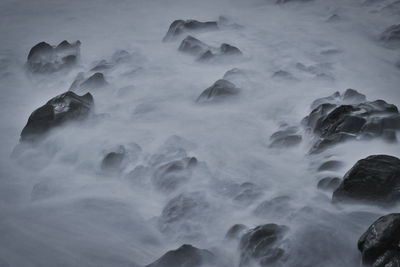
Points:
x=181, y=26
x=221, y=88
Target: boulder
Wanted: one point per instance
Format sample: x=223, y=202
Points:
x=44, y=58
x=220, y=89
x=380, y=244
x=57, y=111
x=262, y=245
x=181, y=26
x=373, y=180
x=286, y=137
x=185, y=256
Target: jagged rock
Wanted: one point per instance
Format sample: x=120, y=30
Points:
x=58, y=110
x=379, y=245
x=338, y=118
x=185, y=256
x=262, y=245
x=180, y=26
x=193, y=46
x=329, y=183
x=221, y=88
x=236, y=231
x=391, y=36
x=373, y=180
x=44, y=58
x=169, y=176
x=330, y=165
x=285, y=138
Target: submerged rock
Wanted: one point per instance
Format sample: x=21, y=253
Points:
x=113, y=160
x=379, y=245
x=225, y=51
x=181, y=26
x=286, y=137
x=329, y=183
x=373, y=180
x=236, y=231
x=262, y=245
x=391, y=36
x=95, y=81
x=185, y=256
x=44, y=58
x=330, y=165
x=221, y=88
x=58, y=110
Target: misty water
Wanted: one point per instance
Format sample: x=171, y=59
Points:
x=58, y=207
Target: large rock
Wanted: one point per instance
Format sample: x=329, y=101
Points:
x=181, y=26
x=221, y=88
x=185, y=256
x=380, y=244
x=374, y=180
x=338, y=118
x=44, y=58
x=58, y=110
x=262, y=245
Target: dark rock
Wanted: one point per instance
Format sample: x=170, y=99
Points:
x=219, y=89
x=373, y=180
x=329, y=183
x=169, y=176
x=181, y=26
x=58, y=110
x=379, y=245
x=391, y=36
x=193, y=46
x=339, y=118
x=236, y=231
x=185, y=256
x=261, y=245
x=330, y=165
x=44, y=58
x=224, y=51
x=206, y=56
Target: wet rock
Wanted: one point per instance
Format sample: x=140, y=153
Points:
x=57, y=111
x=95, y=81
x=220, y=89
x=44, y=58
x=181, y=26
x=391, y=36
x=171, y=175
x=339, y=118
x=287, y=137
x=373, y=180
x=379, y=245
x=193, y=46
x=329, y=183
x=236, y=231
x=185, y=256
x=227, y=49
x=224, y=52
x=330, y=165
x=262, y=245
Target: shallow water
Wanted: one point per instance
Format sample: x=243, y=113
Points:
x=58, y=208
